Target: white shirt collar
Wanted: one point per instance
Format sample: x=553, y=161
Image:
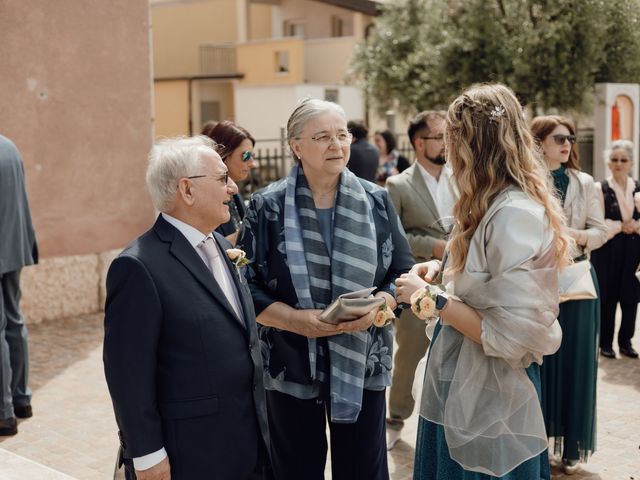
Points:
x=446, y=171
x=193, y=235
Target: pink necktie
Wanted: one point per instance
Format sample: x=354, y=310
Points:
x=220, y=272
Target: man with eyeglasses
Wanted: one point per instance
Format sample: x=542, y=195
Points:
x=424, y=196
x=181, y=355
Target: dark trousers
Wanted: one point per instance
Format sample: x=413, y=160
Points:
x=627, y=322
x=299, y=442
x=14, y=348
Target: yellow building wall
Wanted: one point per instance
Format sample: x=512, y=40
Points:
x=179, y=29
x=260, y=18
x=257, y=61
x=171, y=108
x=327, y=59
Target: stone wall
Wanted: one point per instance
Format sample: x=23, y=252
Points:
x=61, y=287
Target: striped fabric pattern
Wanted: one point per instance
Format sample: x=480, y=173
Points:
x=319, y=276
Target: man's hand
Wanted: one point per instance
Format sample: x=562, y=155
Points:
x=160, y=471
x=438, y=249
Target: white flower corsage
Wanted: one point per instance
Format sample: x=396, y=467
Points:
x=237, y=257
x=423, y=302
x=383, y=316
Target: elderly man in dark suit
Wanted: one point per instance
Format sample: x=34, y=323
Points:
x=17, y=249
x=181, y=357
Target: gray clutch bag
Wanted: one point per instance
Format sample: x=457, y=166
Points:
x=350, y=306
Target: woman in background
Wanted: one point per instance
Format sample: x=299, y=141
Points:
x=616, y=261
x=392, y=161
x=235, y=147
x=569, y=376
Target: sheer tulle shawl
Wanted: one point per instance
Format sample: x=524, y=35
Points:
x=481, y=394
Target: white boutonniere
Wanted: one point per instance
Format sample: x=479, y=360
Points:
x=383, y=316
x=237, y=257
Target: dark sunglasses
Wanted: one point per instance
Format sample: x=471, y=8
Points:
x=621, y=160
x=246, y=156
x=560, y=139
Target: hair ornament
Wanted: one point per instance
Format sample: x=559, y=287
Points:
x=496, y=113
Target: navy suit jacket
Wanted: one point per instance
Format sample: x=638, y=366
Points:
x=183, y=371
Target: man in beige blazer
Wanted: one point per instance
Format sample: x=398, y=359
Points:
x=424, y=196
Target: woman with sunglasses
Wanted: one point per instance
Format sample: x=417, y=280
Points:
x=617, y=260
x=569, y=376
x=235, y=147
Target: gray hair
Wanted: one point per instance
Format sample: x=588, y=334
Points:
x=626, y=145
x=170, y=160
x=306, y=110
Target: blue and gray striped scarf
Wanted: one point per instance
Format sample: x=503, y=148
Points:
x=319, y=277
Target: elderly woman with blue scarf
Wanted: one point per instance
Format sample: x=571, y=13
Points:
x=319, y=233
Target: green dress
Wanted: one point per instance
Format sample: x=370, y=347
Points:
x=433, y=462
x=569, y=376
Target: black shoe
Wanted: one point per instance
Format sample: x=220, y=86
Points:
x=629, y=352
x=22, y=411
x=8, y=426
x=608, y=352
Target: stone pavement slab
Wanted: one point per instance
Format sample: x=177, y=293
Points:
x=73, y=433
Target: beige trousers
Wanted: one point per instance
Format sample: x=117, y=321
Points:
x=412, y=343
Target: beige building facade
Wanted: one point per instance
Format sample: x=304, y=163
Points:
x=76, y=99
x=216, y=52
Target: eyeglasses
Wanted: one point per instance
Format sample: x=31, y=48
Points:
x=621, y=160
x=246, y=156
x=224, y=177
x=324, y=139
x=561, y=139
x=439, y=138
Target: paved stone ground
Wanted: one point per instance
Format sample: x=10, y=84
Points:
x=73, y=433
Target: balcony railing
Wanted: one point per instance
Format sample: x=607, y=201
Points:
x=218, y=59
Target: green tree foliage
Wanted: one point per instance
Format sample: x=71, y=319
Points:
x=421, y=53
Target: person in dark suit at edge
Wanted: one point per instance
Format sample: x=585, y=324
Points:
x=364, y=156
x=18, y=248
x=181, y=356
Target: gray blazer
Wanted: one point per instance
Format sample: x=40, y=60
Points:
x=584, y=211
x=417, y=211
x=18, y=247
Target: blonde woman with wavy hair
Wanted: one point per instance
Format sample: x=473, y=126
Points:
x=480, y=408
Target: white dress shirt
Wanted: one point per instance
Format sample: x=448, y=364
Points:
x=442, y=193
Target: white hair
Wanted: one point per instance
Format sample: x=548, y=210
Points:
x=170, y=160
x=306, y=110
x=626, y=145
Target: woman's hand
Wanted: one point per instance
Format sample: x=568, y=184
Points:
x=307, y=323
x=428, y=271
x=358, y=324
x=407, y=284
x=629, y=226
